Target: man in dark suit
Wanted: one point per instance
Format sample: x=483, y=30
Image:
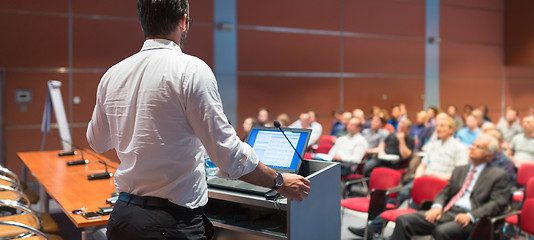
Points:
x=475, y=190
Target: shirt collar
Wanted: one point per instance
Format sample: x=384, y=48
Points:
x=151, y=44
x=478, y=168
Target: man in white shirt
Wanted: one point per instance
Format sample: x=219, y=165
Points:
x=309, y=121
x=441, y=157
x=522, y=146
x=509, y=126
x=350, y=148
x=474, y=191
x=159, y=109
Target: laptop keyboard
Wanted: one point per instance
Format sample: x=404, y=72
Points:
x=237, y=185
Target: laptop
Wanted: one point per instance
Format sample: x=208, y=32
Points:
x=273, y=150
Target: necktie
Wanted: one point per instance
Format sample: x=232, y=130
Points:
x=461, y=192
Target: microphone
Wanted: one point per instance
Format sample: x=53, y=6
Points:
x=276, y=124
x=104, y=175
x=83, y=161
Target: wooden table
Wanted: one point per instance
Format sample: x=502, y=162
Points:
x=68, y=185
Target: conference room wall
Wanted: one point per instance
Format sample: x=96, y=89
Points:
x=383, y=44
x=382, y=48
x=34, y=49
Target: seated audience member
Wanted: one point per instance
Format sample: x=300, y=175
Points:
x=479, y=116
x=509, y=126
x=395, y=116
x=305, y=122
x=399, y=144
x=484, y=109
x=349, y=149
x=345, y=118
x=467, y=110
x=247, y=125
x=468, y=134
x=317, y=128
x=475, y=190
x=284, y=119
x=486, y=127
x=263, y=117
x=428, y=135
x=337, y=125
x=501, y=160
x=403, y=111
x=375, y=110
x=375, y=135
x=440, y=160
x=458, y=122
x=522, y=146
x=432, y=112
x=420, y=124
x=358, y=113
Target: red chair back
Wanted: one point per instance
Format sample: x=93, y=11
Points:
x=527, y=216
x=384, y=178
x=529, y=191
x=326, y=142
x=524, y=173
x=425, y=188
x=308, y=156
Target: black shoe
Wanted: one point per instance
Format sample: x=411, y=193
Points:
x=361, y=231
x=357, y=231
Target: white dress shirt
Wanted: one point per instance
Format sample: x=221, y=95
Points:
x=349, y=148
x=443, y=156
x=317, y=130
x=159, y=109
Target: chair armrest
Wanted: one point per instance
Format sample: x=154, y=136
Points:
x=18, y=206
x=497, y=218
x=393, y=189
x=353, y=181
x=23, y=226
x=348, y=183
x=18, y=192
x=8, y=173
x=12, y=183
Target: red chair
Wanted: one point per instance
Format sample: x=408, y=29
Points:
x=527, y=217
x=308, y=156
x=529, y=193
x=512, y=217
x=424, y=189
x=524, y=173
x=326, y=142
x=381, y=183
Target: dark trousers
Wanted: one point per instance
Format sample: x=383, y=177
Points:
x=414, y=224
x=136, y=221
x=374, y=163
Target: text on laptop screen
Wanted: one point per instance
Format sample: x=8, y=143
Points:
x=274, y=150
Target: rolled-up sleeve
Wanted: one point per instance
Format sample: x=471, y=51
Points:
x=205, y=114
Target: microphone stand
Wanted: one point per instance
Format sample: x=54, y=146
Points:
x=277, y=124
x=104, y=175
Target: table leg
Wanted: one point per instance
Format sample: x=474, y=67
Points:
x=87, y=234
x=45, y=199
x=24, y=173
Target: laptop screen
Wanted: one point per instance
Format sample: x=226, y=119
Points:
x=274, y=150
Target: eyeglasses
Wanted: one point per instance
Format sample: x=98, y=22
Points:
x=478, y=147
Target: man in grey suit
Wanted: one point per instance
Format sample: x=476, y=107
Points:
x=475, y=190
